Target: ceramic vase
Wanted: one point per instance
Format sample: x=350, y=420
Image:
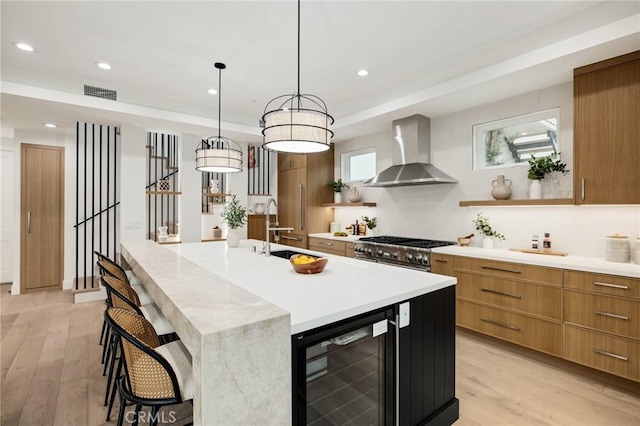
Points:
x=213, y=186
x=354, y=195
x=233, y=238
x=535, y=190
x=487, y=243
x=501, y=188
x=337, y=197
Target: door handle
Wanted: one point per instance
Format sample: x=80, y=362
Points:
x=28, y=222
x=582, y=189
x=301, y=206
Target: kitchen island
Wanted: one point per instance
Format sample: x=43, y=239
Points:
x=235, y=310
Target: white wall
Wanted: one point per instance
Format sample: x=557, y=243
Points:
x=432, y=211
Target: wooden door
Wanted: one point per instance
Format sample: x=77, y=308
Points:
x=41, y=217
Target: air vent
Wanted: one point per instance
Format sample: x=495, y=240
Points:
x=99, y=92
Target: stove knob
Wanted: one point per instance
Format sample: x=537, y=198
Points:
x=394, y=255
x=409, y=257
x=418, y=258
x=369, y=251
x=379, y=252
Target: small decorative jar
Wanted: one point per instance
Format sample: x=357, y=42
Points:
x=354, y=195
x=617, y=249
x=501, y=188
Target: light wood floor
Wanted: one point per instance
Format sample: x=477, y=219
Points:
x=51, y=374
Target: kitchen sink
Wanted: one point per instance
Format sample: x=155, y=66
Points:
x=285, y=254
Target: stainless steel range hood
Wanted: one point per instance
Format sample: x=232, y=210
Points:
x=410, y=156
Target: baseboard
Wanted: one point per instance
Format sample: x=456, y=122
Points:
x=90, y=296
x=67, y=284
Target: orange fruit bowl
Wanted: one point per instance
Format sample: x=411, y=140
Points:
x=305, y=264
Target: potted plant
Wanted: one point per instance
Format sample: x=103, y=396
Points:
x=541, y=167
x=484, y=228
x=370, y=222
x=337, y=186
x=234, y=215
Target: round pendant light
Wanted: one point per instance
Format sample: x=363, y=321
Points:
x=217, y=153
x=297, y=123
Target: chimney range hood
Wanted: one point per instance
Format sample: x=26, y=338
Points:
x=410, y=156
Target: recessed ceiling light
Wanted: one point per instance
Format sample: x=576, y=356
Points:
x=212, y=91
x=103, y=65
x=363, y=73
x=24, y=46
x=51, y=125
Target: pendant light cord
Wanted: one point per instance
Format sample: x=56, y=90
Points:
x=298, y=52
x=219, y=100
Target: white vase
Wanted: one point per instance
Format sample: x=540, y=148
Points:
x=337, y=197
x=233, y=238
x=371, y=232
x=487, y=242
x=535, y=190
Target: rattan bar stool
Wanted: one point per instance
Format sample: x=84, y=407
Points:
x=108, y=265
x=123, y=296
x=155, y=376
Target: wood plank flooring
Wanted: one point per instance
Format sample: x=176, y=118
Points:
x=50, y=374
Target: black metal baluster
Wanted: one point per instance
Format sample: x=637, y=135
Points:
x=85, y=206
x=93, y=199
x=115, y=190
x=100, y=199
x=77, y=199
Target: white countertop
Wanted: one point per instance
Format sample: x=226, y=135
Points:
x=346, y=287
x=330, y=236
x=580, y=263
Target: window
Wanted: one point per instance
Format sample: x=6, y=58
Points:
x=358, y=165
x=513, y=141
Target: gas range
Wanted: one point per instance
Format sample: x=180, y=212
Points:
x=399, y=251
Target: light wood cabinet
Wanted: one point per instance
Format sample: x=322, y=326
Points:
x=511, y=301
x=441, y=264
x=326, y=245
x=614, y=355
x=587, y=318
x=349, y=250
x=606, y=131
x=302, y=189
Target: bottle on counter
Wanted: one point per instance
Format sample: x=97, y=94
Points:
x=534, y=242
x=546, y=242
x=356, y=229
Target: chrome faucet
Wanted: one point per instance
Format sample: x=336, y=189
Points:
x=268, y=228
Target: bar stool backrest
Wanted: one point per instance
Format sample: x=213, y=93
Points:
x=121, y=293
x=149, y=374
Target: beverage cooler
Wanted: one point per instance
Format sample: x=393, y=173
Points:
x=392, y=366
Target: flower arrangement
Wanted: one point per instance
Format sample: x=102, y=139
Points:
x=370, y=222
x=338, y=185
x=540, y=167
x=484, y=228
x=234, y=214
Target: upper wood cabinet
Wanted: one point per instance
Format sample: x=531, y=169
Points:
x=303, y=186
x=607, y=131
x=291, y=161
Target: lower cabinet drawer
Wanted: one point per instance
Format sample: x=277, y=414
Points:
x=604, y=313
x=520, y=296
x=327, y=246
x=293, y=240
x=538, y=334
x=612, y=354
x=349, y=249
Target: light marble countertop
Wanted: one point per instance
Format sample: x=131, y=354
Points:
x=329, y=236
x=579, y=263
x=346, y=287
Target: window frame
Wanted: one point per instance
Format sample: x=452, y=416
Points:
x=345, y=168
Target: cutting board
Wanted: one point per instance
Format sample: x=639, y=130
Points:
x=532, y=251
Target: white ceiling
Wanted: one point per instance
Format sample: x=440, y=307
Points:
x=423, y=57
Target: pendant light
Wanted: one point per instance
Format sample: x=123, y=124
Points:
x=219, y=154
x=297, y=123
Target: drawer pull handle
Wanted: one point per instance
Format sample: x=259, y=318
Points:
x=623, y=358
x=499, y=324
x=607, y=314
x=493, y=268
x=624, y=287
x=326, y=244
x=285, y=237
x=442, y=261
x=501, y=293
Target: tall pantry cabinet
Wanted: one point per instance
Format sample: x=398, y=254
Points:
x=607, y=131
x=303, y=185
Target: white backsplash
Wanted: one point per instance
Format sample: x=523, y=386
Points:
x=432, y=211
